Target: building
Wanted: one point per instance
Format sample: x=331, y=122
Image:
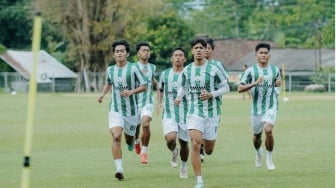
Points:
x=51, y=74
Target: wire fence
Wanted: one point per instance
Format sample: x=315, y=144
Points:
x=94, y=82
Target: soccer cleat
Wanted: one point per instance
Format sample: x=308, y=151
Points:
x=270, y=164
x=143, y=158
x=202, y=158
x=130, y=147
x=183, y=174
x=258, y=158
x=173, y=160
x=119, y=176
x=202, y=153
x=137, y=148
x=199, y=185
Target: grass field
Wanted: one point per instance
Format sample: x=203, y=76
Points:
x=71, y=146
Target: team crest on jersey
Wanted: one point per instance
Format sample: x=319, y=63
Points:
x=174, y=84
x=119, y=80
x=197, y=78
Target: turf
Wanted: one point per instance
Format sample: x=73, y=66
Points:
x=71, y=146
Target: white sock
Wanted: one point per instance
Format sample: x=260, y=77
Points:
x=144, y=149
x=137, y=141
x=269, y=154
x=199, y=179
x=184, y=165
x=259, y=150
x=118, y=164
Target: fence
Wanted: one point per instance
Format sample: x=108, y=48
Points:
x=13, y=81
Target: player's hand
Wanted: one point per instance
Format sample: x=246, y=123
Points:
x=277, y=83
x=177, y=101
x=100, y=99
x=259, y=80
x=126, y=93
x=205, y=95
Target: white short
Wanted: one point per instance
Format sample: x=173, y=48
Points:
x=128, y=123
x=146, y=110
x=169, y=125
x=257, y=121
x=208, y=126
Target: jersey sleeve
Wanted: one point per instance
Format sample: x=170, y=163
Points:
x=161, y=81
x=246, y=77
x=141, y=79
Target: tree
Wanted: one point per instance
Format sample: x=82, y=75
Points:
x=91, y=26
x=165, y=33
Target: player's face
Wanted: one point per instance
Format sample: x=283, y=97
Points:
x=198, y=51
x=178, y=58
x=263, y=55
x=208, y=51
x=144, y=53
x=120, y=54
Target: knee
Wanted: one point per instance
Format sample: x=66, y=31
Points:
x=116, y=137
x=209, y=151
x=268, y=131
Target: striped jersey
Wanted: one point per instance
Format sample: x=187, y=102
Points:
x=148, y=70
x=198, y=78
x=264, y=95
x=220, y=66
x=127, y=77
x=168, y=83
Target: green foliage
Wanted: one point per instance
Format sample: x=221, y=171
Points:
x=165, y=33
x=2, y=48
x=322, y=76
x=298, y=23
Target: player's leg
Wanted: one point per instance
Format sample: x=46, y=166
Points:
x=116, y=125
x=171, y=144
x=137, y=145
x=184, y=154
x=257, y=128
x=129, y=141
x=145, y=137
x=210, y=134
x=269, y=143
x=269, y=121
x=169, y=128
x=116, y=133
x=196, y=126
x=202, y=153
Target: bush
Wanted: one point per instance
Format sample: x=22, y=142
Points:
x=315, y=88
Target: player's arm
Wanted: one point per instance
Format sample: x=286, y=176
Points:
x=245, y=87
x=223, y=87
x=159, y=95
x=106, y=89
x=182, y=90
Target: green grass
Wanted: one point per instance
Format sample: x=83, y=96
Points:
x=71, y=146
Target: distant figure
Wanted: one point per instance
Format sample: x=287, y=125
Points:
x=262, y=79
x=202, y=83
x=125, y=80
x=145, y=101
x=247, y=92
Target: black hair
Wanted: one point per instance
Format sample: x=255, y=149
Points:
x=198, y=40
x=138, y=45
x=179, y=48
x=121, y=42
x=263, y=45
x=211, y=43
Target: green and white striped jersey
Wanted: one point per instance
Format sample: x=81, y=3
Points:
x=169, y=83
x=264, y=95
x=198, y=78
x=148, y=70
x=127, y=77
x=220, y=66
